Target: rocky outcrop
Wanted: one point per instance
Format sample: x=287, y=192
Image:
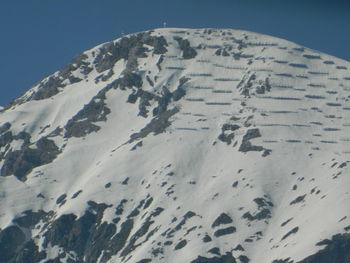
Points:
x=21, y=162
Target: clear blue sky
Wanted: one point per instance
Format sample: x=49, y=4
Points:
x=39, y=37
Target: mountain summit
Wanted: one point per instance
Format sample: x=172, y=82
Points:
x=180, y=145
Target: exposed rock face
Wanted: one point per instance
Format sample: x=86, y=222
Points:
x=128, y=48
x=178, y=145
x=21, y=162
x=55, y=83
x=187, y=51
x=228, y=258
x=11, y=240
x=336, y=250
x=84, y=121
x=222, y=219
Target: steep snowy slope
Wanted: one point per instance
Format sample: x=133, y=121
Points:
x=180, y=145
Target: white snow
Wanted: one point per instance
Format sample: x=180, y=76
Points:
x=306, y=136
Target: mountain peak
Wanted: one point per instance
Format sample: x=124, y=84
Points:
x=190, y=145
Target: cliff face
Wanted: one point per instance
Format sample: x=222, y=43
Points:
x=180, y=145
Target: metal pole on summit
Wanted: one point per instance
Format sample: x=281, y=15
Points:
x=164, y=24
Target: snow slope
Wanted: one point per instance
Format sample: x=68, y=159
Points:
x=180, y=145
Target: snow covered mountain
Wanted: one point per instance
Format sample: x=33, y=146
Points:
x=180, y=145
